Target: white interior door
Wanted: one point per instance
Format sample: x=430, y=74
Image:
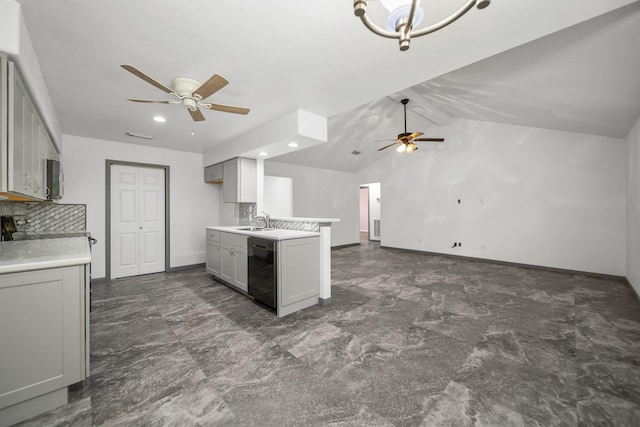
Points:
x=137, y=220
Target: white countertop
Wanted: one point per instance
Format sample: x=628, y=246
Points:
x=27, y=255
x=273, y=234
x=296, y=219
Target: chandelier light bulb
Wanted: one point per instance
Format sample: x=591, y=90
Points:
x=399, y=9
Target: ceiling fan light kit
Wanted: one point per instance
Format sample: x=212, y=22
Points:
x=189, y=92
x=404, y=15
x=407, y=140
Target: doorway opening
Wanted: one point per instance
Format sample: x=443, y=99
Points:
x=137, y=219
x=370, y=212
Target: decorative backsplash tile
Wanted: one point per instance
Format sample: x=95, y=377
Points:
x=34, y=216
x=248, y=211
x=296, y=225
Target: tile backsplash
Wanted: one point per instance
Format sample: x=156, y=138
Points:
x=248, y=210
x=34, y=216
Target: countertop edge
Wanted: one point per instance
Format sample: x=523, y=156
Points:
x=268, y=235
x=30, y=255
x=44, y=265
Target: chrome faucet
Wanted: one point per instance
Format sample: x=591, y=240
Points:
x=265, y=217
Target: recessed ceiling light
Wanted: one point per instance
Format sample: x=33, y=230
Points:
x=262, y=153
x=292, y=144
x=159, y=119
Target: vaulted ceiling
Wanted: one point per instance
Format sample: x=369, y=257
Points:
x=570, y=65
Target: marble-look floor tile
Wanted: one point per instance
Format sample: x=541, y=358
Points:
x=499, y=370
x=602, y=409
x=408, y=339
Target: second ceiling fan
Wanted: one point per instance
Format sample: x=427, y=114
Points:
x=406, y=139
x=189, y=92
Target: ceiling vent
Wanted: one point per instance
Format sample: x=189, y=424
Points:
x=137, y=135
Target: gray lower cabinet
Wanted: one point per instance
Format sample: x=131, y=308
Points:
x=43, y=327
x=298, y=274
x=213, y=252
x=298, y=266
x=227, y=258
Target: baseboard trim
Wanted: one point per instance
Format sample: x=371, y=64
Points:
x=515, y=264
x=186, y=267
x=348, y=245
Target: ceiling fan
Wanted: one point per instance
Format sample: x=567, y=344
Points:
x=190, y=93
x=406, y=139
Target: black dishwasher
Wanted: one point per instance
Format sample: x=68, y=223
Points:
x=262, y=261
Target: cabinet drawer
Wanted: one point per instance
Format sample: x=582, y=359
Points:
x=234, y=239
x=213, y=235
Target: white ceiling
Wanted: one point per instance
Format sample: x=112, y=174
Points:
x=315, y=55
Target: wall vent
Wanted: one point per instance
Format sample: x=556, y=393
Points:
x=376, y=228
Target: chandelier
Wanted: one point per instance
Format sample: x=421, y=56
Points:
x=404, y=15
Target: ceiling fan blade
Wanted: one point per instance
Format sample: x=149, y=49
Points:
x=196, y=115
x=385, y=140
x=430, y=139
x=414, y=135
x=149, y=101
x=387, y=146
x=211, y=86
x=146, y=78
x=225, y=108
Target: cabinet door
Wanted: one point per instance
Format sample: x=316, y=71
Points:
x=213, y=258
x=247, y=181
x=230, y=181
x=42, y=326
x=242, y=271
x=18, y=134
x=39, y=146
x=228, y=263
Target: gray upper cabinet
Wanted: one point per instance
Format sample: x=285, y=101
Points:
x=213, y=173
x=25, y=143
x=239, y=181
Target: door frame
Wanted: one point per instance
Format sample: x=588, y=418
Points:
x=167, y=240
x=365, y=186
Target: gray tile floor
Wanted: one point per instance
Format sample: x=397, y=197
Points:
x=408, y=340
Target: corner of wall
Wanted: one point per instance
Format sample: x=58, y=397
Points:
x=633, y=208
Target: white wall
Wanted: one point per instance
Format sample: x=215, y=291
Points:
x=193, y=203
x=528, y=195
x=323, y=193
x=633, y=207
x=278, y=195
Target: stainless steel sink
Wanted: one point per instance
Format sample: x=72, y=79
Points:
x=254, y=229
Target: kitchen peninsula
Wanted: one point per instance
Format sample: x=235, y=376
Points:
x=284, y=264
